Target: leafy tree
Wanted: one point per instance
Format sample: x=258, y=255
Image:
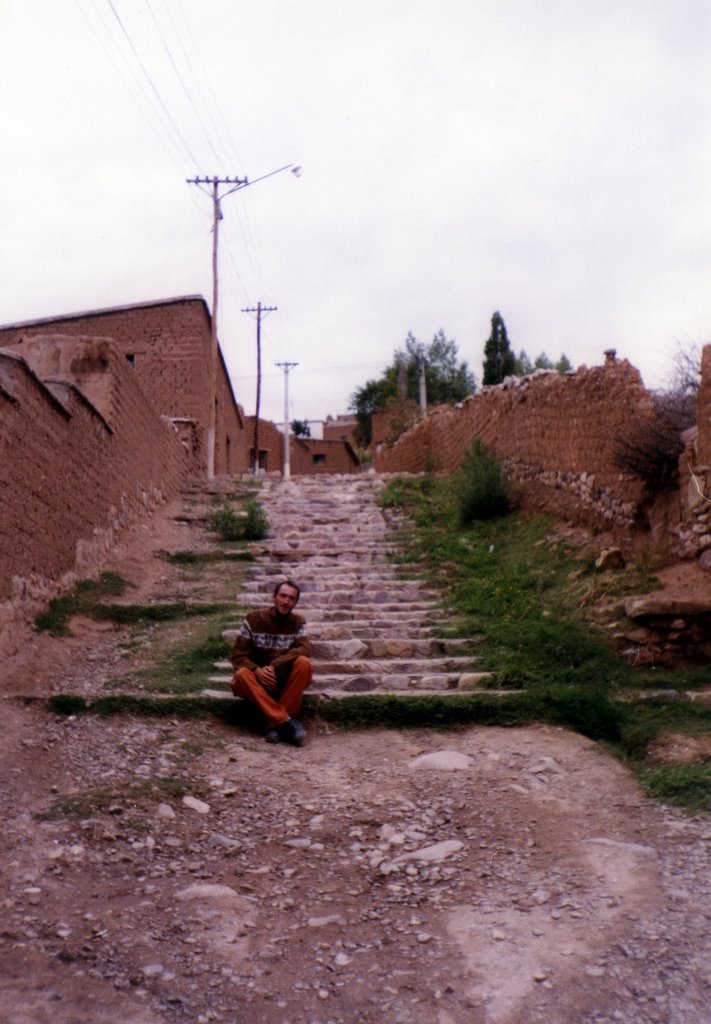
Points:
x=499, y=360
x=543, y=362
x=447, y=380
x=522, y=364
x=300, y=428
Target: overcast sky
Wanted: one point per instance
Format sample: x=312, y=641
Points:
x=550, y=159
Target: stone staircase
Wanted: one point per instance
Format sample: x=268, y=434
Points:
x=375, y=627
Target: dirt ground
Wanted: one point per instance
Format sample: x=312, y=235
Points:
x=486, y=876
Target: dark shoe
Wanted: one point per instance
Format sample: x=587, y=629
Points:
x=272, y=736
x=298, y=733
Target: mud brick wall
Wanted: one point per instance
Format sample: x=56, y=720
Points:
x=167, y=344
x=270, y=441
x=340, y=428
x=556, y=433
x=703, y=410
x=72, y=476
x=315, y=456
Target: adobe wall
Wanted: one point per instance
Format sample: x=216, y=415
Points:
x=271, y=444
x=340, y=428
x=314, y=456
x=557, y=434
x=167, y=344
x=73, y=475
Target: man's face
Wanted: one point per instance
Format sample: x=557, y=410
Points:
x=285, y=599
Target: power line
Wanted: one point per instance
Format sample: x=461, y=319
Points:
x=181, y=80
x=147, y=110
x=152, y=85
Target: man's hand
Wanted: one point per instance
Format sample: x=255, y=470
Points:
x=266, y=677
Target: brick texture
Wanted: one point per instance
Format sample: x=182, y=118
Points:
x=167, y=344
x=557, y=434
x=74, y=470
x=314, y=456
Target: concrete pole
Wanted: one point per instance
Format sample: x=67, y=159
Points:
x=286, y=473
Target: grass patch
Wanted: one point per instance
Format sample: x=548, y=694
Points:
x=187, y=664
x=686, y=785
x=80, y=600
x=145, y=614
x=537, y=604
x=190, y=558
x=99, y=799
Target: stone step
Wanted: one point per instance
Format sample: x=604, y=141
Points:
x=365, y=631
x=314, y=697
x=300, y=552
x=329, y=569
x=385, y=666
x=380, y=615
x=319, y=583
x=378, y=681
x=356, y=601
x=391, y=647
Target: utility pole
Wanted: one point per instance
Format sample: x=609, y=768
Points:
x=421, y=364
x=286, y=367
x=211, y=187
x=259, y=309
x=217, y=197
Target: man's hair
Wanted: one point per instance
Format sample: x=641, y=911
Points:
x=287, y=583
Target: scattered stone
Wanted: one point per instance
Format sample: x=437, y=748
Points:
x=433, y=854
x=443, y=760
x=196, y=805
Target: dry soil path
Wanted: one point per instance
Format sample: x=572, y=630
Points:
x=484, y=876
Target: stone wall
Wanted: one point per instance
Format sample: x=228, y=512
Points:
x=692, y=524
x=556, y=433
x=74, y=472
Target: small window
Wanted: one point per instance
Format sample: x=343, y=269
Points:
x=319, y=460
x=131, y=359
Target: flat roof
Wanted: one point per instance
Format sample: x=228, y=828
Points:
x=106, y=311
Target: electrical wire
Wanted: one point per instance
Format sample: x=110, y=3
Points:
x=151, y=83
x=181, y=81
x=136, y=90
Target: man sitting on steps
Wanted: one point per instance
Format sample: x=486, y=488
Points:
x=270, y=657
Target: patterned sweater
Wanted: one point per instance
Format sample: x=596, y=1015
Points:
x=270, y=639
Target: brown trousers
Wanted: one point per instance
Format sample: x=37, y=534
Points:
x=285, y=702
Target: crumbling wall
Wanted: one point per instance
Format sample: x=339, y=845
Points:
x=556, y=432
x=167, y=345
x=73, y=476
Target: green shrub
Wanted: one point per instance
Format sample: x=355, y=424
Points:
x=256, y=523
x=250, y=523
x=483, y=491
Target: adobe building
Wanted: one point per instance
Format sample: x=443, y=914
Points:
x=167, y=346
x=340, y=428
x=310, y=455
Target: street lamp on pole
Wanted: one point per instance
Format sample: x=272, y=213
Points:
x=211, y=187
